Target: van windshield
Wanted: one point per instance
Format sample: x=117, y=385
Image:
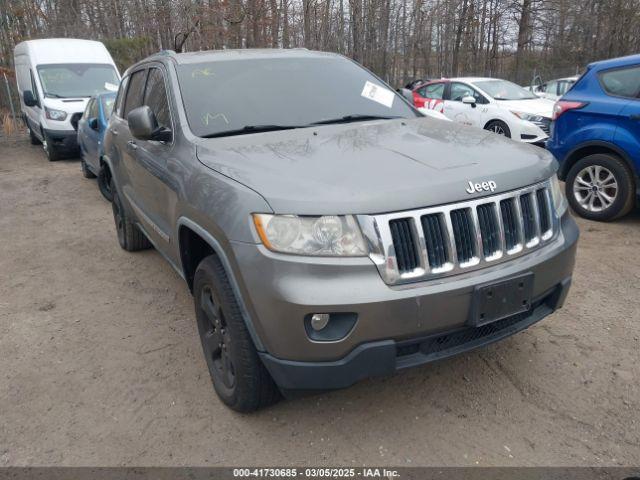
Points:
x=77, y=80
x=242, y=96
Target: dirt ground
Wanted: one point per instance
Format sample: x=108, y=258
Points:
x=100, y=362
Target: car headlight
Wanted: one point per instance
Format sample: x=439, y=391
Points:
x=329, y=235
x=559, y=200
x=53, y=114
x=527, y=116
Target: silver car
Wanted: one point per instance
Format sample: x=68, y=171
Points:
x=327, y=230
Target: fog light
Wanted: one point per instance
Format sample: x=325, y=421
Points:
x=319, y=321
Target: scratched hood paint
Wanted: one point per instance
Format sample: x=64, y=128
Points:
x=373, y=167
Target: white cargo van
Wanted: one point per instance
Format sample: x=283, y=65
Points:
x=56, y=77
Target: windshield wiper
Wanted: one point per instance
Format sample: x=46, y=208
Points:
x=251, y=129
x=54, y=95
x=353, y=118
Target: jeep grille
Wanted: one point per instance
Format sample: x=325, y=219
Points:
x=450, y=239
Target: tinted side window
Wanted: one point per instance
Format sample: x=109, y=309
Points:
x=156, y=97
x=34, y=88
x=622, y=82
x=119, y=108
x=134, y=92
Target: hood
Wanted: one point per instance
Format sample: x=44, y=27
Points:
x=536, y=106
x=69, y=105
x=374, y=167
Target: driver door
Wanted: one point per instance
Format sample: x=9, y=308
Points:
x=464, y=113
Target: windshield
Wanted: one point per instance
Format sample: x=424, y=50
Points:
x=76, y=80
x=107, y=104
x=504, y=90
x=229, y=95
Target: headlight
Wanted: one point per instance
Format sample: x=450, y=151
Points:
x=52, y=114
x=329, y=236
x=527, y=116
x=559, y=200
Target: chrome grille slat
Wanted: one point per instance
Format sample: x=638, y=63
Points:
x=460, y=237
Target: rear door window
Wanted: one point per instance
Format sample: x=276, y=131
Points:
x=434, y=90
x=622, y=82
x=135, y=92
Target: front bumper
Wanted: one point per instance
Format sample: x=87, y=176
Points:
x=64, y=141
x=397, y=326
x=533, y=133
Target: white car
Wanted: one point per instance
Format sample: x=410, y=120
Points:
x=553, y=89
x=490, y=103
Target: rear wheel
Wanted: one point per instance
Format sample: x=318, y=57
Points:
x=238, y=375
x=499, y=127
x=600, y=187
x=104, y=183
x=130, y=237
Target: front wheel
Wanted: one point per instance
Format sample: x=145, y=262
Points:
x=499, y=127
x=600, y=187
x=32, y=138
x=50, y=150
x=238, y=375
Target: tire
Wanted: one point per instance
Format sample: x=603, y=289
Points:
x=498, y=127
x=600, y=187
x=239, y=378
x=130, y=237
x=86, y=173
x=104, y=183
x=32, y=138
x=50, y=150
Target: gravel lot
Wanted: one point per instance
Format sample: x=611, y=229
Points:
x=101, y=363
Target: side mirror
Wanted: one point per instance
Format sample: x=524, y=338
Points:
x=144, y=126
x=408, y=94
x=29, y=99
x=93, y=123
x=469, y=100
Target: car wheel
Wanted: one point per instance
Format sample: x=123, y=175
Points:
x=239, y=378
x=32, y=138
x=50, y=150
x=600, y=187
x=104, y=183
x=130, y=237
x=86, y=173
x=499, y=127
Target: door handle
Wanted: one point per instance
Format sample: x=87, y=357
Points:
x=113, y=131
x=131, y=145
x=635, y=116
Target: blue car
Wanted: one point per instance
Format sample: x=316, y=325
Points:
x=91, y=128
x=595, y=135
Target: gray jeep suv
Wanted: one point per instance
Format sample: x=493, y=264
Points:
x=327, y=230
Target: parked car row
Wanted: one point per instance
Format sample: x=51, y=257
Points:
x=593, y=128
